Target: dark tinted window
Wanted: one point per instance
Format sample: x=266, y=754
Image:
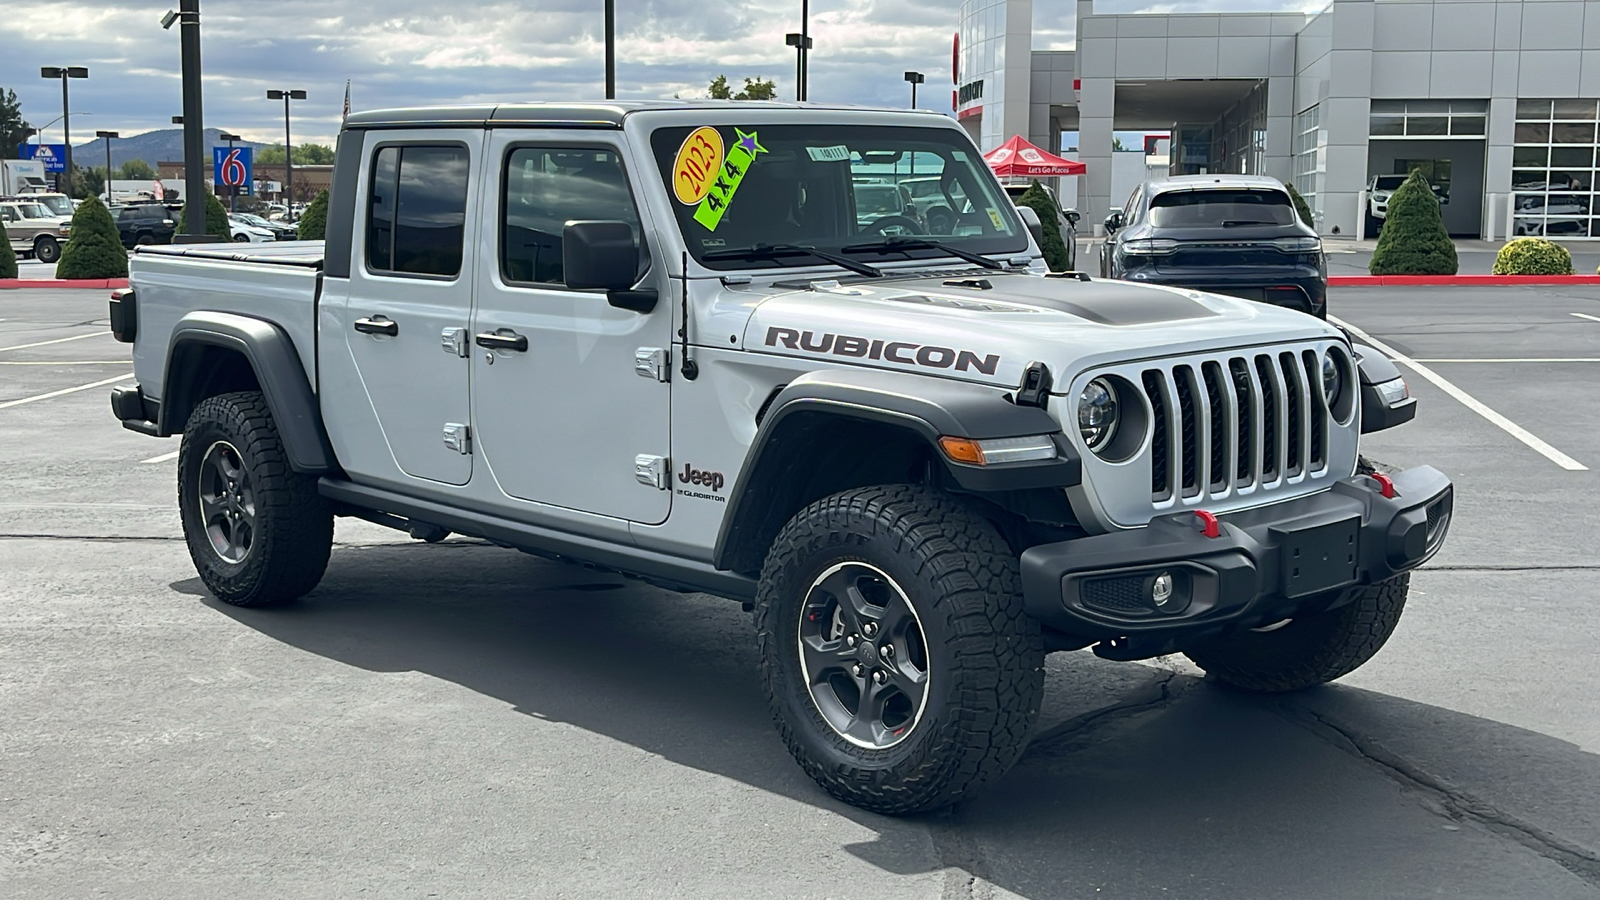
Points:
x=1221, y=207
x=545, y=188
x=419, y=209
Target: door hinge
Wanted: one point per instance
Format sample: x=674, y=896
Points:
x=652, y=470
x=651, y=362
x=458, y=437
x=454, y=340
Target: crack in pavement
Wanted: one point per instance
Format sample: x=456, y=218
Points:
x=1079, y=732
x=1457, y=804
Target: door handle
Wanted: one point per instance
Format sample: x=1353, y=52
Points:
x=378, y=325
x=502, y=339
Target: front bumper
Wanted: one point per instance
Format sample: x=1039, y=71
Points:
x=1262, y=566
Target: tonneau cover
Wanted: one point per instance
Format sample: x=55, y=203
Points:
x=307, y=254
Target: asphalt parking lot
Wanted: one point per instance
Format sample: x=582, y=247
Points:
x=460, y=720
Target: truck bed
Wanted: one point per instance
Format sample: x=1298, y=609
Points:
x=277, y=282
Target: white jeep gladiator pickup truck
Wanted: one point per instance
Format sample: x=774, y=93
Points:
x=665, y=340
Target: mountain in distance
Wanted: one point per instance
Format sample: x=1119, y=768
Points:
x=154, y=147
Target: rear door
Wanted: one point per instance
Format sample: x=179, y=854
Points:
x=410, y=297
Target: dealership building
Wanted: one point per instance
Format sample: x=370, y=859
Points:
x=1494, y=100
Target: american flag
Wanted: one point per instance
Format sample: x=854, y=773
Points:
x=346, y=100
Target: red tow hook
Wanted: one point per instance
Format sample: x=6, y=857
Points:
x=1385, y=485
x=1210, y=527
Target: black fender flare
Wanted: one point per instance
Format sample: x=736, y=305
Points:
x=1376, y=413
x=271, y=355
x=927, y=407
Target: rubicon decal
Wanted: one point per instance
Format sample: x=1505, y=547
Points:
x=904, y=352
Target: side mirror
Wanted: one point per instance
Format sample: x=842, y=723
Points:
x=1030, y=218
x=1073, y=217
x=1114, y=221
x=603, y=255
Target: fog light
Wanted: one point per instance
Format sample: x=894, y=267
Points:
x=1161, y=590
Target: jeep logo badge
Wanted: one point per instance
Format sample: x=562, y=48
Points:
x=691, y=475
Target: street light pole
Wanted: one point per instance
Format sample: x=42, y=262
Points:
x=801, y=43
x=288, y=156
x=64, y=73
x=194, y=135
x=805, y=49
x=233, y=189
x=611, y=49
x=107, y=136
x=914, y=79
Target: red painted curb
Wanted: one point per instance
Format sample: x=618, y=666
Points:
x=92, y=283
x=1459, y=280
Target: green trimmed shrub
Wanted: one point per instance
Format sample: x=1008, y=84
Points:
x=94, y=249
x=216, y=219
x=1532, y=256
x=8, y=260
x=314, y=221
x=1301, y=207
x=1413, y=240
x=1055, y=249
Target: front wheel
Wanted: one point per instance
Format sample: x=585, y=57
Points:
x=258, y=531
x=1308, y=651
x=900, y=667
x=46, y=249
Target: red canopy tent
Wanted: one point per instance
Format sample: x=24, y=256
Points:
x=1018, y=158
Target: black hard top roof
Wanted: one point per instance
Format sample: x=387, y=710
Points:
x=601, y=114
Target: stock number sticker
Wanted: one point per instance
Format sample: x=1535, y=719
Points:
x=697, y=166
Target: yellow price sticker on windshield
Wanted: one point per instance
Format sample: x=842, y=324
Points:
x=697, y=165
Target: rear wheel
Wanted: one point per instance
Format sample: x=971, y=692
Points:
x=145, y=239
x=241, y=239
x=258, y=531
x=46, y=249
x=900, y=667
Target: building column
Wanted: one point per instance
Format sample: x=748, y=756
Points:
x=1095, y=119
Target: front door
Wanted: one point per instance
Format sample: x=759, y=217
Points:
x=405, y=319
x=560, y=406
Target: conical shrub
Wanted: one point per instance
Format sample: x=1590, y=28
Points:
x=314, y=221
x=94, y=249
x=1413, y=240
x=1055, y=249
x=8, y=260
x=216, y=219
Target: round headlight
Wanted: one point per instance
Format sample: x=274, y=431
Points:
x=1097, y=413
x=1332, y=379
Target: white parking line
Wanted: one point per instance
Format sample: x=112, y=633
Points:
x=63, y=362
x=1556, y=359
x=1469, y=401
x=1587, y=316
x=162, y=458
x=71, y=390
x=76, y=337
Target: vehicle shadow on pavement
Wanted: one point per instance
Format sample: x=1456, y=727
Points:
x=1179, y=789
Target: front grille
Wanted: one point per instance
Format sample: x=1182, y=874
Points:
x=1235, y=423
x=1118, y=594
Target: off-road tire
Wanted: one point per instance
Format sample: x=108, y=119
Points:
x=985, y=654
x=1309, y=651
x=46, y=249
x=293, y=532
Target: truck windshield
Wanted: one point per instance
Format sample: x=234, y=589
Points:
x=833, y=188
x=33, y=211
x=58, y=204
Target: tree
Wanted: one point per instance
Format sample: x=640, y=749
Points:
x=1301, y=207
x=1116, y=145
x=314, y=222
x=304, y=155
x=1413, y=240
x=95, y=250
x=1055, y=249
x=88, y=182
x=216, y=219
x=137, y=170
x=753, y=89
x=12, y=125
x=8, y=260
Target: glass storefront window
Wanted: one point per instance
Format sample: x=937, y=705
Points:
x=1428, y=118
x=1554, y=169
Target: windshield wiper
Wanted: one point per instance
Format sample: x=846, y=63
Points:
x=916, y=243
x=774, y=251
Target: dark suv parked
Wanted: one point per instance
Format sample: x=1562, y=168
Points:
x=146, y=223
x=1230, y=234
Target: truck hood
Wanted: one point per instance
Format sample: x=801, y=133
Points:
x=988, y=327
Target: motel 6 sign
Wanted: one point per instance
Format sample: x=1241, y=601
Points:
x=233, y=167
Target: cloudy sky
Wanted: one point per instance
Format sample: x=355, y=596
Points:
x=411, y=52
